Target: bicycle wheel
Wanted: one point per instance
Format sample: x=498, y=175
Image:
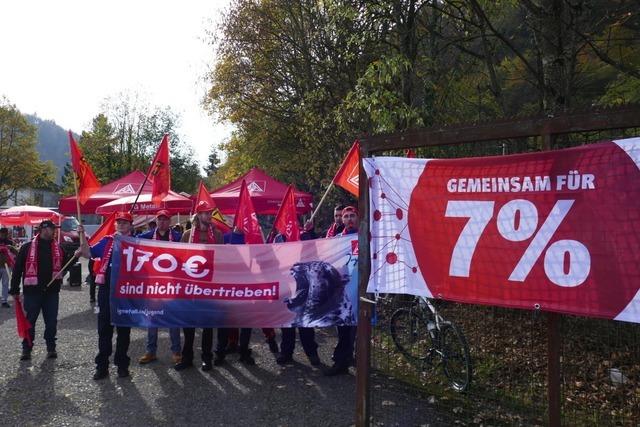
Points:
x=409, y=333
x=456, y=361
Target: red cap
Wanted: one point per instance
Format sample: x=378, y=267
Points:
x=124, y=215
x=203, y=207
x=349, y=209
x=163, y=212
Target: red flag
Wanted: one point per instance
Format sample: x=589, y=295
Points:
x=287, y=219
x=107, y=228
x=22, y=322
x=204, y=201
x=246, y=219
x=410, y=154
x=160, y=172
x=349, y=173
x=86, y=179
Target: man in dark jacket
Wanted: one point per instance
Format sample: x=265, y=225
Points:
x=39, y=266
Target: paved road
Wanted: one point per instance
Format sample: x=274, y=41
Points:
x=61, y=391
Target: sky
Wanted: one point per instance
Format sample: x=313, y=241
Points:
x=62, y=59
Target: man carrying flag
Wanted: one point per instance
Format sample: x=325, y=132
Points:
x=104, y=250
x=39, y=262
x=202, y=231
x=164, y=232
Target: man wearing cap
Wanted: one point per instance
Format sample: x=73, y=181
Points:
x=39, y=266
x=202, y=231
x=7, y=253
x=162, y=231
x=343, y=353
x=103, y=250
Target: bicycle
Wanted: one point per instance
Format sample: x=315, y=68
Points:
x=424, y=337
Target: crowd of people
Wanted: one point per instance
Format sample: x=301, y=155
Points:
x=39, y=268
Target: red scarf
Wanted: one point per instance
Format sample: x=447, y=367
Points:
x=195, y=237
x=31, y=273
x=156, y=236
x=104, y=261
x=331, y=232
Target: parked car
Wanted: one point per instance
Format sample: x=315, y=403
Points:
x=69, y=237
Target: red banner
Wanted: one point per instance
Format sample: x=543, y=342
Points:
x=555, y=230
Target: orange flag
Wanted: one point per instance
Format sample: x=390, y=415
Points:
x=86, y=179
x=246, y=219
x=107, y=228
x=22, y=323
x=287, y=219
x=204, y=200
x=160, y=172
x=349, y=173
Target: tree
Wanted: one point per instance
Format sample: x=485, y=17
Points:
x=126, y=135
x=21, y=166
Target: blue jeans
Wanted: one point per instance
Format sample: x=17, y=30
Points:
x=48, y=303
x=152, y=340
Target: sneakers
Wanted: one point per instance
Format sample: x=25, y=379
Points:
x=273, y=345
x=100, y=374
x=147, y=358
x=26, y=355
x=337, y=370
x=207, y=366
x=52, y=354
x=5, y=304
x=123, y=372
x=283, y=359
x=177, y=358
x=182, y=365
x=314, y=360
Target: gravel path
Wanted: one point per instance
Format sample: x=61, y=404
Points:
x=61, y=392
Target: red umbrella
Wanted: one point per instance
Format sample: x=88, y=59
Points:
x=31, y=215
x=175, y=203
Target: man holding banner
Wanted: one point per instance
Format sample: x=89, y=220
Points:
x=343, y=353
x=203, y=231
x=103, y=250
x=162, y=231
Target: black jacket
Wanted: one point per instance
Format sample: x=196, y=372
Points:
x=45, y=269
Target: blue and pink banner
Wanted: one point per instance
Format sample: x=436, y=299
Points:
x=164, y=284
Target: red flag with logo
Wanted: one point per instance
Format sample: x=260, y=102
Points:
x=160, y=172
x=86, y=179
x=287, y=219
x=204, y=198
x=349, y=173
x=22, y=322
x=246, y=219
x=107, y=228
x=410, y=154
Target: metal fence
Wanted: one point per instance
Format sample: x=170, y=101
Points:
x=599, y=360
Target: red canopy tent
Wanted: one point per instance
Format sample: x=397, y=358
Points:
x=266, y=194
x=173, y=202
x=31, y=215
x=125, y=186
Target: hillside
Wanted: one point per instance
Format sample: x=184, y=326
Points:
x=53, y=143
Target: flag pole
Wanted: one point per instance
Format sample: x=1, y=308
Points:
x=321, y=200
x=146, y=177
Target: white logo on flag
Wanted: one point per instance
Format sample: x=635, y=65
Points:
x=354, y=177
x=253, y=186
x=300, y=204
x=127, y=189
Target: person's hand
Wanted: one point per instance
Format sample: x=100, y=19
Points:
x=15, y=297
x=308, y=225
x=80, y=228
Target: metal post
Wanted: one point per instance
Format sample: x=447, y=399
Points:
x=363, y=337
x=553, y=369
